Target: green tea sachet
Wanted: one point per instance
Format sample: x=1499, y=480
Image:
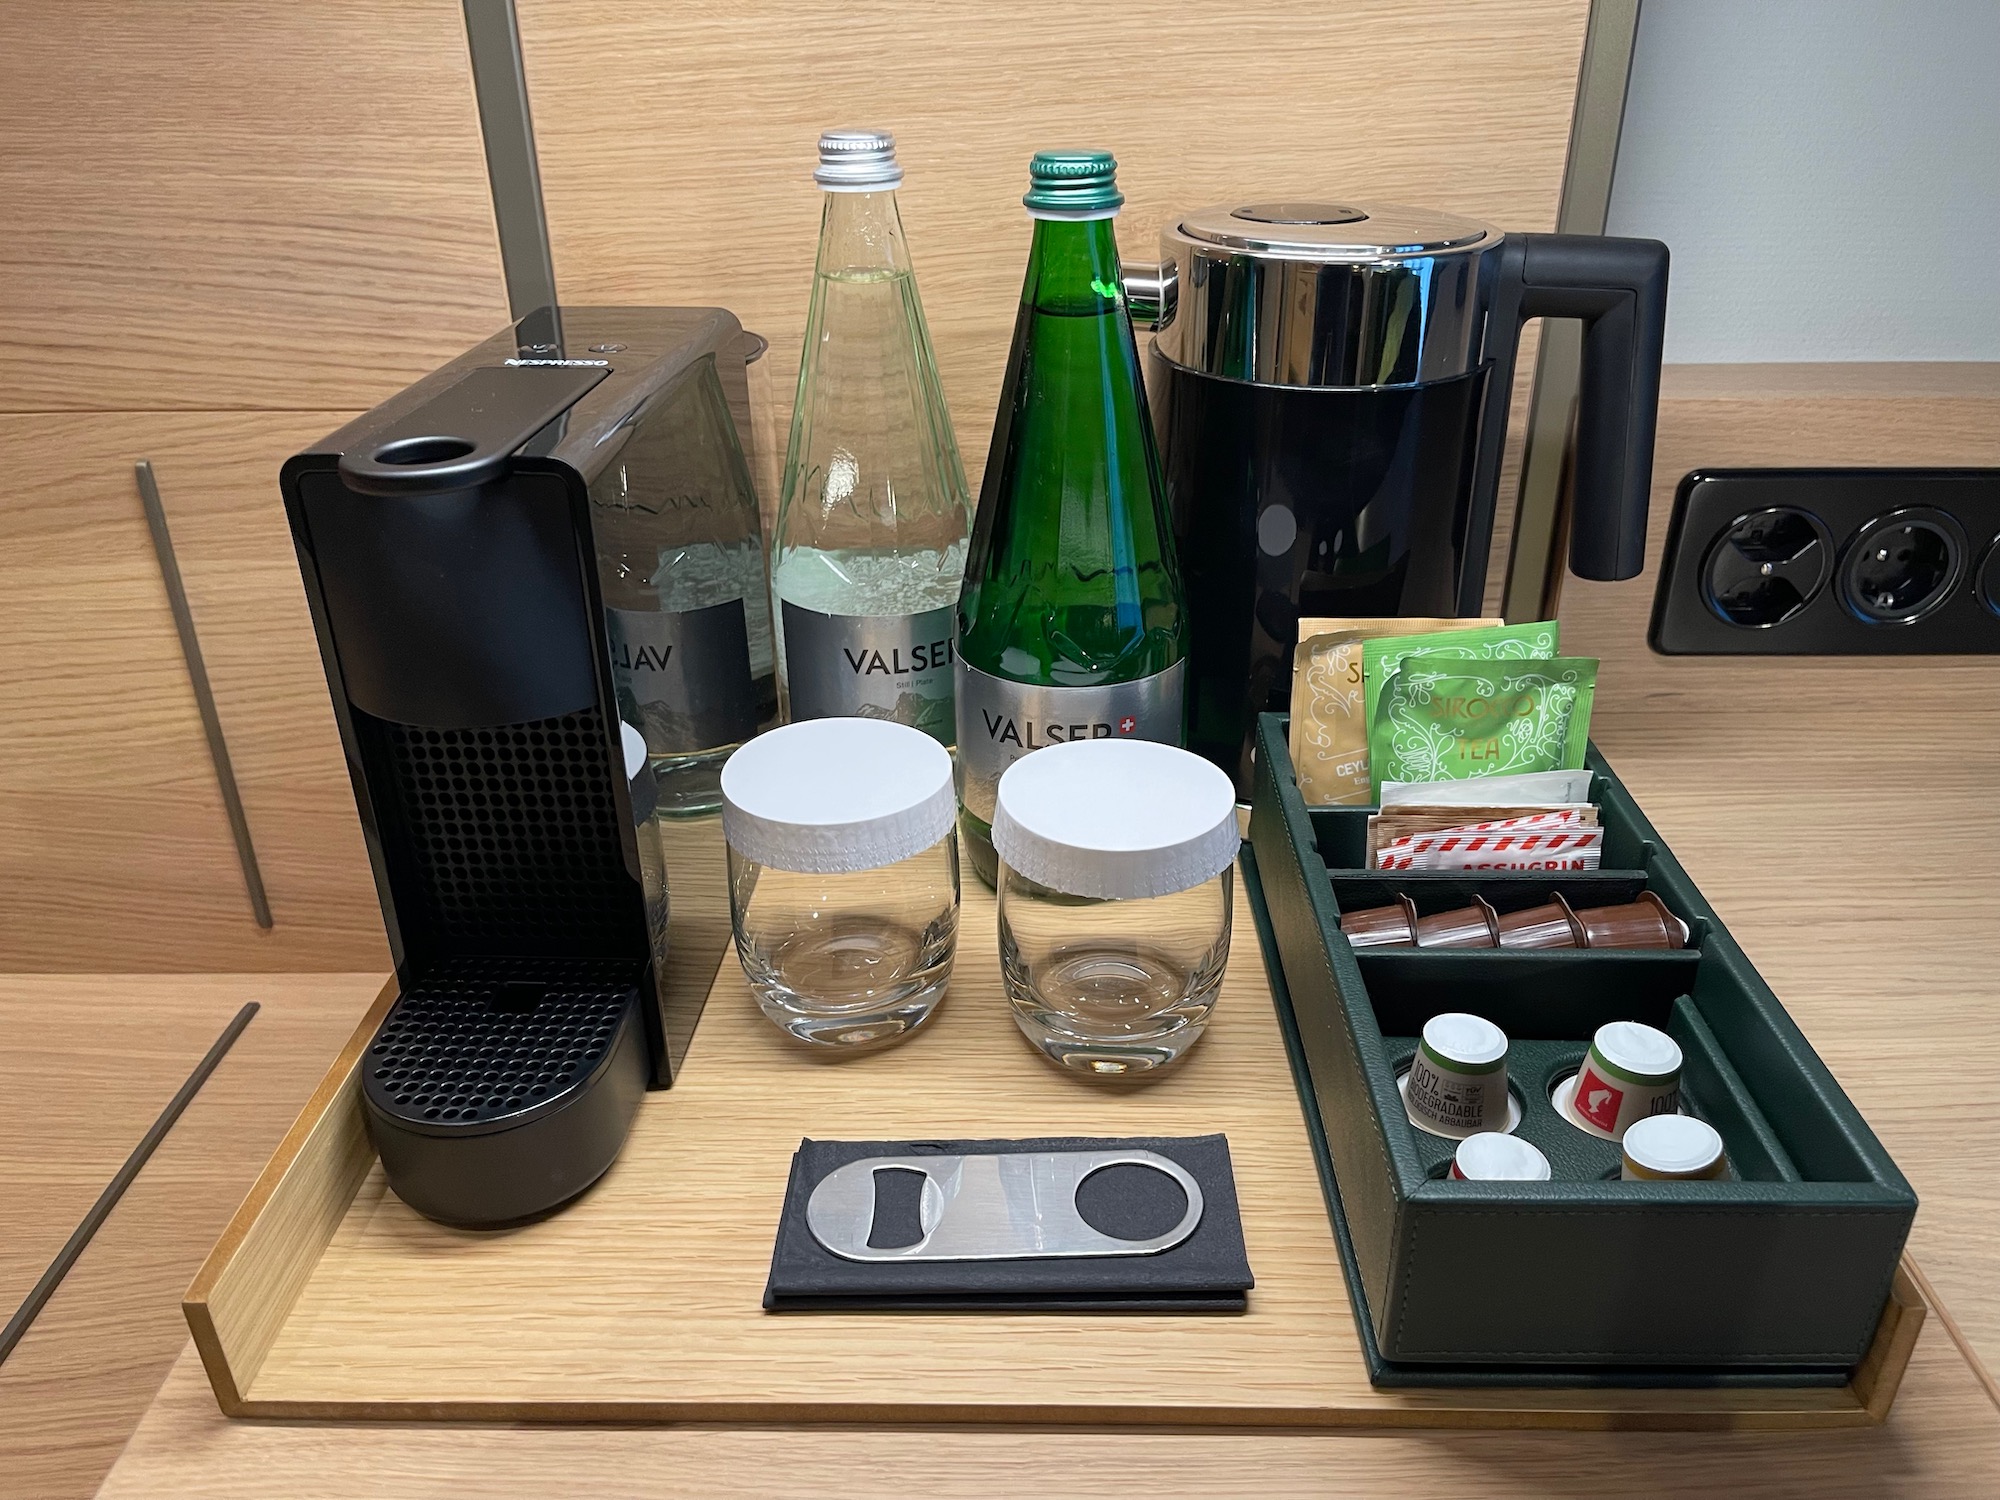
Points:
x=1442, y=717
x=1379, y=657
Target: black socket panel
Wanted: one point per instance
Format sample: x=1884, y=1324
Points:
x=1831, y=562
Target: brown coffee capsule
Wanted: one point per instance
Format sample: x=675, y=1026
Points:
x=1474, y=926
x=1550, y=926
x=1644, y=923
x=1393, y=926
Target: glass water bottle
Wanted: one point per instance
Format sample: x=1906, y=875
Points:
x=870, y=542
x=687, y=608
x=1070, y=624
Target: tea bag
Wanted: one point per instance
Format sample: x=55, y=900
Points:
x=1440, y=717
x=1329, y=732
x=1381, y=656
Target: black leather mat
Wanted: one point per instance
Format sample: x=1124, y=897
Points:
x=1206, y=1272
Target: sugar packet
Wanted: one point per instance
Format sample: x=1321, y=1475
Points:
x=1539, y=788
x=1544, y=841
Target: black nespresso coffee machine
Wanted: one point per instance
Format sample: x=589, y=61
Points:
x=445, y=540
x=1330, y=384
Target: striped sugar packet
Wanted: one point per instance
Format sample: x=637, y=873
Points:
x=1556, y=840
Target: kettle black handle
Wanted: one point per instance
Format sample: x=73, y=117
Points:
x=1618, y=287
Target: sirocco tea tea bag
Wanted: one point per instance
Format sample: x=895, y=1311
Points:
x=1443, y=718
x=1381, y=656
x=1329, y=732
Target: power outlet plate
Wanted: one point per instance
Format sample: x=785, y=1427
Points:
x=1831, y=562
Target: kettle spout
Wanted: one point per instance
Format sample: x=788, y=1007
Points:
x=1151, y=292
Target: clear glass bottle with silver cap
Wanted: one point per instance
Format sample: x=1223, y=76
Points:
x=1116, y=865
x=843, y=877
x=870, y=541
x=687, y=608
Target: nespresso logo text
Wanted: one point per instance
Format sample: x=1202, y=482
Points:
x=602, y=364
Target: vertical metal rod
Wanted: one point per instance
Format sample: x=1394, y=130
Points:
x=1535, y=562
x=204, y=695
x=37, y=1298
x=500, y=83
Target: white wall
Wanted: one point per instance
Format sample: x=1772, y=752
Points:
x=1826, y=172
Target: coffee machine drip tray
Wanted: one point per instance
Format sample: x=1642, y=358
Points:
x=500, y=1088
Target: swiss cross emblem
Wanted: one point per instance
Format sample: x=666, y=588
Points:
x=1598, y=1101
x=1127, y=724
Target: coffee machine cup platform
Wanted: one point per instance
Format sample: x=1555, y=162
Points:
x=446, y=542
x=1330, y=384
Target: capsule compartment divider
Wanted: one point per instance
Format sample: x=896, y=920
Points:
x=1539, y=993
x=1716, y=1092
x=1340, y=834
x=1550, y=1006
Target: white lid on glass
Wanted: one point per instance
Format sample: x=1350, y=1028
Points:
x=1676, y=1144
x=635, y=748
x=1461, y=1038
x=835, y=796
x=1119, y=819
x=857, y=161
x=1493, y=1157
x=1643, y=1051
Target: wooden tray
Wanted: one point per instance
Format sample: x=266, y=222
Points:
x=327, y=1298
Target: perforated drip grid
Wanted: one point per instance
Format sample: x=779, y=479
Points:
x=512, y=833
x=477, y=1039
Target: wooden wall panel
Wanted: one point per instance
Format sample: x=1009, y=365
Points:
x=677, y=142
x=1838, y=811
x=118, y=853
x=250, y=203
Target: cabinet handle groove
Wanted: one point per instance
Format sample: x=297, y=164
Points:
x=204, y=696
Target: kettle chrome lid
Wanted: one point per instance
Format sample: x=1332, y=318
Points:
x=1325, y=292
x=1308, y=229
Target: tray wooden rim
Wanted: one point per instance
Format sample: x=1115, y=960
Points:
x=239, y=1302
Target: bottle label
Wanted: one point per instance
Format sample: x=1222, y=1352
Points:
x=684, y=675
x=1001, y=721
x=871, y=667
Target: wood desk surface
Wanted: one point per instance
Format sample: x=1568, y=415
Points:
x=79, y=1383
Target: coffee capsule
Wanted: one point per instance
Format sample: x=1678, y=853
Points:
x=1392, y=926
x=1632, y=1072
x=1457, y=1084
x=1551, y=926
x=1474, y=926
x=1493, y=1157
x=1644, y=923
x=1671, y=1148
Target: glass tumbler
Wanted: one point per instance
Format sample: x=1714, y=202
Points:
x=1117, y=863
x=843, y=878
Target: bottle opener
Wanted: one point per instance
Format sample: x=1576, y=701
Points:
x=1014, y=1206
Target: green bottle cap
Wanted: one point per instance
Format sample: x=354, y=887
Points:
x=1073, y=185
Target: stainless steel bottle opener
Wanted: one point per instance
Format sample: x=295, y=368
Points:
x=1016, y=1206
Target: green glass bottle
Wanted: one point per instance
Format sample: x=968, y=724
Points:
x=1070, y=622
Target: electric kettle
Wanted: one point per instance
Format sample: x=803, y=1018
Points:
x=1330, y=387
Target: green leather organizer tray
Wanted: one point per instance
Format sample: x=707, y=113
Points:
x=1776, y=1274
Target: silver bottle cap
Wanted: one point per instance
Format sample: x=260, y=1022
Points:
x=857, y=161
